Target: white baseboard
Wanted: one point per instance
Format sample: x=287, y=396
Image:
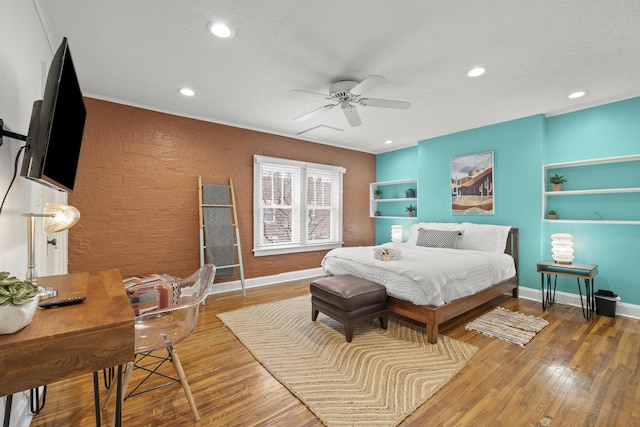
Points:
x=256, y=282
x=622, y=309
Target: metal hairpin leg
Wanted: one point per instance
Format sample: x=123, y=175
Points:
x=7, y=410
x=589, y=305
x=549, y=297
x=119, y=397
x=96, y=397
x=34, y=399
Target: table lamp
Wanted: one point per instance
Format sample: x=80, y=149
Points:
x=396, y=233
x=56, y=217
x=562, y=248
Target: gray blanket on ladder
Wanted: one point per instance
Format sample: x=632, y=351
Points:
x=218, y=229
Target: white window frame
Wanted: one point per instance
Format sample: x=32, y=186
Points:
x=261, y=248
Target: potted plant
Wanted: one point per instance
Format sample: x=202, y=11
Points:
x=377, y=192
x=411, y=209
x=18, y=303
x=556, y=182
x=410, y=193
x=552, y=214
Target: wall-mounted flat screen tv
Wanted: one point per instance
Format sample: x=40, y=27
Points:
x=56, y=128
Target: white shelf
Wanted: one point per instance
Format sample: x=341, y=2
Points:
x=396, y=217
x=632, y=170
x=591, y=221
x=414, y=199
x=388, y=204
x=596, y=191
x=600, y=161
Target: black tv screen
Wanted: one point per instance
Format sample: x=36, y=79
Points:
x=57, y=124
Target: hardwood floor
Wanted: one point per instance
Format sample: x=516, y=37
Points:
x=576, y=371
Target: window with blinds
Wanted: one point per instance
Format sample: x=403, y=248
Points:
x=297, y=206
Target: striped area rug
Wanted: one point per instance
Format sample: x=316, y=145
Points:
x=507, y=325
x=378, y=379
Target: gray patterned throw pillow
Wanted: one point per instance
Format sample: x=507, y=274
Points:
x=438, y=238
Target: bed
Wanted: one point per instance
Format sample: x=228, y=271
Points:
x=442, y=271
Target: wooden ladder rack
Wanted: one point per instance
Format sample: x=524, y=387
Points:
x=234, y=224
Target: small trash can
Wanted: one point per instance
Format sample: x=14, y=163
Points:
x=606, y=303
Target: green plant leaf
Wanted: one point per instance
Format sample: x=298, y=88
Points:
x=14, y=291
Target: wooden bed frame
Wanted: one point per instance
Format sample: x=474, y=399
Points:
x=432, y=316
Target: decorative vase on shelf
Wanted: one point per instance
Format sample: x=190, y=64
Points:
x=556, y=182
x=410, y=193
x=411, y=210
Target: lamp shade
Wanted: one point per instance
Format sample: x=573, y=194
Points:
x=396, y=233
x=562, y=248
x=59, y=217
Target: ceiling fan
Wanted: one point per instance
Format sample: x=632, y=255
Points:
x=347, y=94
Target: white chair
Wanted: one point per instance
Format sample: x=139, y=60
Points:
x=166, y=313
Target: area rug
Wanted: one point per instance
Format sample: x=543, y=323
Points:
x=507, y=325
x=378, y=379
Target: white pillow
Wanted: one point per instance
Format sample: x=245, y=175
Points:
x=441, y=226
x=484, y=237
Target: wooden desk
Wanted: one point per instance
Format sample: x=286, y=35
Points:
x=587, y=272
x=65, y=342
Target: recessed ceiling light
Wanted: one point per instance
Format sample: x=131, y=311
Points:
x=220, y=29
x=577, y=94
x=388, y=141
x=476, y=72
x=187, y=92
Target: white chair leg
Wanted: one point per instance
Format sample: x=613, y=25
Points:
x=183, y=380
x=127, y=376
x=107, y=397
x=126, y=379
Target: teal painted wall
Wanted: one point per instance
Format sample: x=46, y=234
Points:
x=605, y=131
x=393, y=166
x=521, y=147
x=517, y=155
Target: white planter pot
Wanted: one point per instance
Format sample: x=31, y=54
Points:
x=15, y=317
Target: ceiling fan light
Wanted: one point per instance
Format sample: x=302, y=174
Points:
x=220, y=29
x=476, y=71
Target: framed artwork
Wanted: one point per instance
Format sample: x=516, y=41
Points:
x=472, y=184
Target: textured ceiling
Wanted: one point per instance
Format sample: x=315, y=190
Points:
x=537, y=52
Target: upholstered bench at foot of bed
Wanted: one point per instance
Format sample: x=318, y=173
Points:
x=349, y=300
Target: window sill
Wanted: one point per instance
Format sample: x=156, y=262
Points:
x=282, y=250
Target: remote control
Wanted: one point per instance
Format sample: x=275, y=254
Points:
x=62, y=302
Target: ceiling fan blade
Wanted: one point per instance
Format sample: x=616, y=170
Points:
x=351, y=114
x=368, y=83
x=324, y=95
x=314, y=112
x=384, y=103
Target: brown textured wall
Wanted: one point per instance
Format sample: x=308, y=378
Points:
x=137, y=190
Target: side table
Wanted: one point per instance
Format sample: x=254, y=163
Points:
x=587, y=272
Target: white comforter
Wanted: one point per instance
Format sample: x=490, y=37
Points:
x=421, y=275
